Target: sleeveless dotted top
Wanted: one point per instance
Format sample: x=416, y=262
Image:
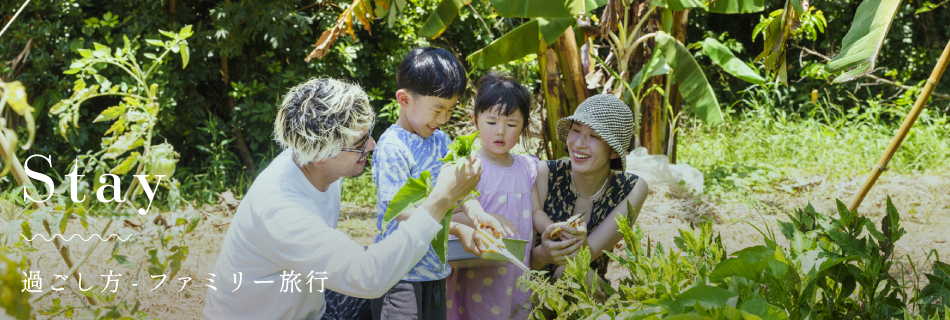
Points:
x=559, y=204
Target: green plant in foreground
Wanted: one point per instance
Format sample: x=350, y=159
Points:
x=415, y=191
x=126, y=148
x=833, y=268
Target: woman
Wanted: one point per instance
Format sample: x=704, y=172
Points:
x=598, y=137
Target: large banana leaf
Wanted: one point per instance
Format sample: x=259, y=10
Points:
x=551, y=9
x=526, y=39
x=863, y=42
x=736, y=6
x=724, y=57
x=678, y=5
x=693, y=85
x=439, y=20
x=655, y=66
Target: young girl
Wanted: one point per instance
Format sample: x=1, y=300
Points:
x=501, y=113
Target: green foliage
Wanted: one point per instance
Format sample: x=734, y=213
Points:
x=415, y=191
x=745, y=6
x=13, y=301
x=767, y=138
x=834, y=268
x=439, y=20
x=558, y=9
x=693, y=85
x=524, y=40
x=724, y=58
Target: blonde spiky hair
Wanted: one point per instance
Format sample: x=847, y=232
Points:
x=318, y=117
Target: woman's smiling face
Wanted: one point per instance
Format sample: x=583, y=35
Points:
x=589, y=152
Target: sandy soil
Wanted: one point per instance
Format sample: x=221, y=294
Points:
x=922, y=200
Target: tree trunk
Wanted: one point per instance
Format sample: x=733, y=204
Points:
x=679, y=32
x=241, y=145
x=555, y=100
x=653, y=117
x=569, y=60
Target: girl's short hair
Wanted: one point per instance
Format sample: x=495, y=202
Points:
x=502, y=92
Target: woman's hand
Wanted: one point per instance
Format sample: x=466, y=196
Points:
x=579, y=234
x=557, y=252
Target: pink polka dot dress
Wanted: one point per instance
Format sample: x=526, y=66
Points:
x=493, y=292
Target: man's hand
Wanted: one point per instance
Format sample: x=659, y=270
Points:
x=452, y=185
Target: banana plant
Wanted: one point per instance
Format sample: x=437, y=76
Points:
x=859, y=48
x=416, y=190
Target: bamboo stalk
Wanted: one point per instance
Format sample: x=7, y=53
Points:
x=905, y=127
x=20, y=175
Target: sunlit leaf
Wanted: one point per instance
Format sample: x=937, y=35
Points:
x=736, y=6
x=862, y=43
x=724, y=57
x=185, y=55
x=440, y=19
x=126, y=164
x=110, y=113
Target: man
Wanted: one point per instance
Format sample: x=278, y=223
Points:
x=282, y=247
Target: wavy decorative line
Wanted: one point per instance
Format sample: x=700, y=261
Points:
x=75, y=235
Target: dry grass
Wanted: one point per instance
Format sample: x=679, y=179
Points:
x=922, y=200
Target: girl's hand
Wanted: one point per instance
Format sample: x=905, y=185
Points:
x=496, y=222
x=556, y=252
x=473, y=242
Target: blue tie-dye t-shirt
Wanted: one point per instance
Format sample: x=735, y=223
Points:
x=399, y=155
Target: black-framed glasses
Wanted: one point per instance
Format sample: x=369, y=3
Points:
x=369, y=135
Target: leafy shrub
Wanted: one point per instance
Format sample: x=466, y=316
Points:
x=834, y=268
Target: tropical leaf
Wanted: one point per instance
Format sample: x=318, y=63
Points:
x=526, y=39
x=694, y=87
x=110, y=113
x=550, y=9
x=862, y=43
x=708, y=297
x=654, y=67
x=764, y=310
x=776, y=35
x=412, y=193
x=679, y=5
x=439, y=20
x=736, y=6
x=441, y=242
x=725, y=59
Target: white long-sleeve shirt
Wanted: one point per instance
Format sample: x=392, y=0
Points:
x=286, y=226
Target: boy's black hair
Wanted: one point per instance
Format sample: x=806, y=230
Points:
x=506, y=94
x=431, y=71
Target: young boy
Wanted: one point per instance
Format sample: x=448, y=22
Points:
x=430, y=81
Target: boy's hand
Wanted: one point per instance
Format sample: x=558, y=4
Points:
x=497, y=222
x=473, y=242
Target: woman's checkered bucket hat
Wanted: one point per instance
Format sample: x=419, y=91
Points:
x=609, y=117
